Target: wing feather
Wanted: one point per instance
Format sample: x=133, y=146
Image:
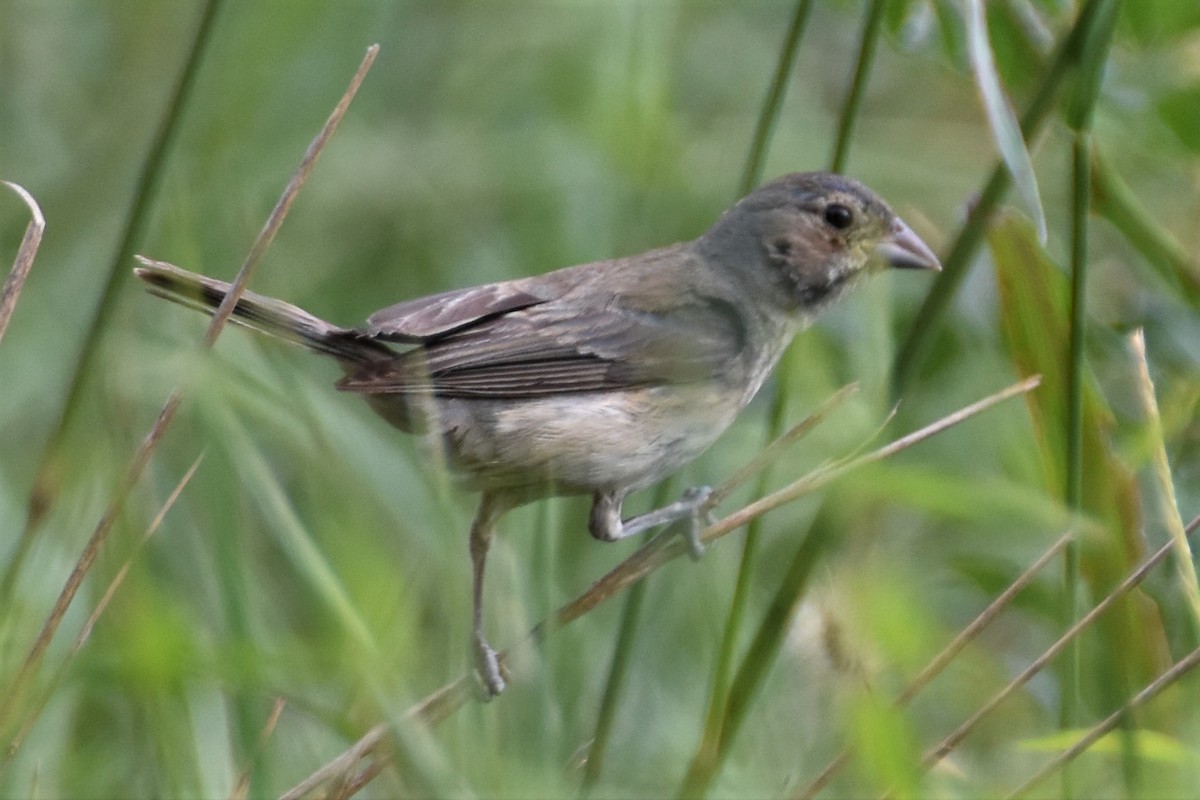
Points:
x=428, y=317
x=551, y=348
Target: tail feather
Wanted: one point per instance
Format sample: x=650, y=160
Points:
x=264, y=314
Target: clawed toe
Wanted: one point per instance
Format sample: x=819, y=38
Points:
x=491, y=673
x=696, y=497
x=683, y=517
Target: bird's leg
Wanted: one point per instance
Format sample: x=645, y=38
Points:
x=483, y=528
x=605, y=522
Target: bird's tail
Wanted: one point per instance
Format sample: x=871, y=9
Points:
x=264, y=314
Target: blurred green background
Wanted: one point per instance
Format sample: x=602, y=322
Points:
x=317, y=556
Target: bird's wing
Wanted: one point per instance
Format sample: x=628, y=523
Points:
x=554, y=348
x=428, y=317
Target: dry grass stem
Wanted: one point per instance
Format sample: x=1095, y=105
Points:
x=34, y=713
x=241, y=789
x=948, y=654
x=148, y=445
x=772, y=451
x=152, y=529
x=431, y=711
x=353, y=783
x=645, y=560
x=343, y=764
x=23, y=261
x=944, y=747
x=969, y=633
x=275, y=220
x=1169, y=505
x=1181, y=668
x=821, y=478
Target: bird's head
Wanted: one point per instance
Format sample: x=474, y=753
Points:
x=806, y=238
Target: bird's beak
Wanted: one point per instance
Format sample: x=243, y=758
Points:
x=903, y=249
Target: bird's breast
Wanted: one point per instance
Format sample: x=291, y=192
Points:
x=589, y=441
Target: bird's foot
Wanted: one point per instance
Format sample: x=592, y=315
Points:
x=692, y=502
x=683, y=517
x=491, y=671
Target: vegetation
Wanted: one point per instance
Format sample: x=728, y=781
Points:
x=276, y=574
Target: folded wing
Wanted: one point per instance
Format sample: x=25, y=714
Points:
x=525, y=346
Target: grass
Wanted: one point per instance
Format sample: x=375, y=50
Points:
x=288, y=577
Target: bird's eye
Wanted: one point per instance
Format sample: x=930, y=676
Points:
x=839, y=216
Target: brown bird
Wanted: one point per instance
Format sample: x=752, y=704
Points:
x=601, y=378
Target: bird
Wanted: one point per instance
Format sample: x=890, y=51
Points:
x=602, y=378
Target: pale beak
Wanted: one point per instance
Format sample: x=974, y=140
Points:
x=903, y=249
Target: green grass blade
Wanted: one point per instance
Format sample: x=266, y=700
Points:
x=1035, y=312
x=1114, y=200
x=955, y=265
x=1006, y=131
x=872, y=27
x=773, y=101
x=44, y=491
